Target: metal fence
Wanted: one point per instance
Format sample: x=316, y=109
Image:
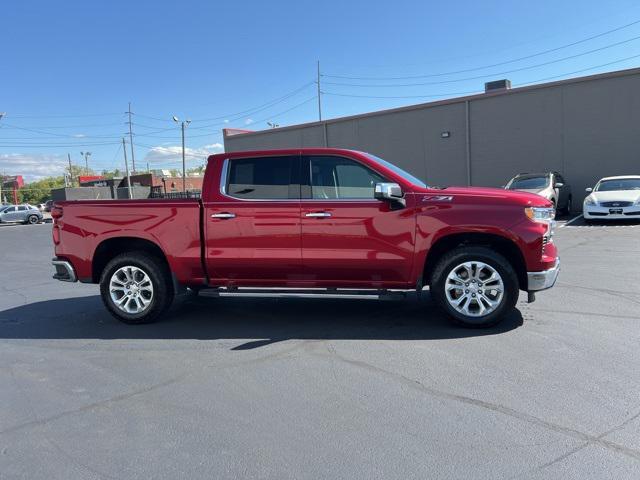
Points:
x=158, y=193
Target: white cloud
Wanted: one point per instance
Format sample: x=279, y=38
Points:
x=173, y=153
x=226, y=120
x=32, y=167
x=248, y=121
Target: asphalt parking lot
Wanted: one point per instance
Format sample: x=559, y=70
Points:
x=354, y=389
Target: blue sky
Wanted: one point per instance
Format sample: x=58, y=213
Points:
x=70, y=67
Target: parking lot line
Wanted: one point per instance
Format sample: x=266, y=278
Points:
x=571, y=221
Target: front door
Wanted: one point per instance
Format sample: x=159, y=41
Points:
x=350, y=239
x=252, y=225
x=10, y=214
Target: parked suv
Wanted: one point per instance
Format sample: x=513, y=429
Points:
x=21, y=214
x=551, y=186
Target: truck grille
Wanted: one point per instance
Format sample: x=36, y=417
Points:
x=616, y=204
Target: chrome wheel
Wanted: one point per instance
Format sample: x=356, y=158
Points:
x=474, y=289
x=131, y=289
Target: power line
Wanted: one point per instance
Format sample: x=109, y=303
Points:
x=267, y=104
x=42, y=132
x=437, y=95
x=43, y=145
x=65, y=115
x=78, y=126
x=441, y=82
x=467, y=70
x=251, y=110
x=554, y=77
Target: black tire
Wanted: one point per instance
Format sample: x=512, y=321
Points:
x=567, y=209
x=160, y=277
x=461, y=255
x=32, y=219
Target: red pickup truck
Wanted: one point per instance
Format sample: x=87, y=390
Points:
x=311, y=220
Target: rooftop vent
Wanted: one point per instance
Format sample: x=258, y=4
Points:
x=497, y=86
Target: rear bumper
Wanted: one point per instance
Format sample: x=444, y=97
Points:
x=64, y=270
x=543, y=280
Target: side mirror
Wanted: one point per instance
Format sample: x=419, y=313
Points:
x=390, y=192
x=559, y=185
x=588, y=189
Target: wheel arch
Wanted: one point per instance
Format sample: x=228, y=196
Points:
x=111, y=247
x=502, y=245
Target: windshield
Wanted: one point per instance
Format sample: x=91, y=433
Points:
x=529, y=183
x=619, y=184
x=406, y=175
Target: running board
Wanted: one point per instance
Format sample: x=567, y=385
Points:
x=305, y=293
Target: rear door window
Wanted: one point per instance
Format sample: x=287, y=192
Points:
x=263, y=178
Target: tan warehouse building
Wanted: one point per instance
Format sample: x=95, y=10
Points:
x=585, y=128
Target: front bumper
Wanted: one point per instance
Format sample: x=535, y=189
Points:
x=64, y=270
x=543, y=280
x=596, y=212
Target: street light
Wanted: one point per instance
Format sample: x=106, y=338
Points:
x=183, y=125
x=273, y=125
x=86, y=156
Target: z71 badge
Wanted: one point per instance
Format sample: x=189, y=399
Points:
x=437, y=198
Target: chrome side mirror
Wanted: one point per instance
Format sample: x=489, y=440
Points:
x=559, y=185
x=588, y=189
x=390, y=192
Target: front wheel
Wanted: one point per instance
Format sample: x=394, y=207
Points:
x=475, y=286
x=136, y=287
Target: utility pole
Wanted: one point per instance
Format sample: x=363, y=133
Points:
x=2, y=114
x=86, y=156
x=319, y=102
x=70, y=169
x=183, y=124
x=126, y=168
x=133, y=158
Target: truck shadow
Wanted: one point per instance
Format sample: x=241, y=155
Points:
x=264, y=320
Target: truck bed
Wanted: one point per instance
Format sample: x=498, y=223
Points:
x=87, y=226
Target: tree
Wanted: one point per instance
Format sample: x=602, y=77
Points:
x=39, y=191
x=197, y=170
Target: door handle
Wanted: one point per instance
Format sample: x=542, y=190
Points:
x=224, y=215
x=318, y=215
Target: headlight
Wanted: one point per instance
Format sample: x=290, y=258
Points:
x=540, y=214
x=590, y=201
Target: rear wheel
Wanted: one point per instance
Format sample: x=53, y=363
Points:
x=475, y=286
x=136, y=287
x=32, y=219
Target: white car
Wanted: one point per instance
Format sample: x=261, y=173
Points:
x=613, y=198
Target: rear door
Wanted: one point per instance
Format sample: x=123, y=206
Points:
x=252, y=225
x=348, y=237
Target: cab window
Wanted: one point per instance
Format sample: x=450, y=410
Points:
x=263, y=178
x=340, y=178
